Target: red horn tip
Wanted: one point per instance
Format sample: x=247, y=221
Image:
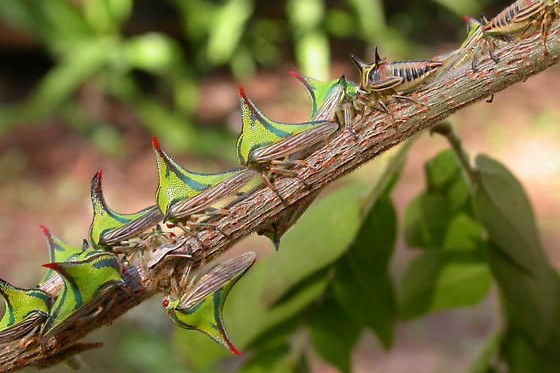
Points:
x=44, y=230
x=242, y=93
x=155, y=144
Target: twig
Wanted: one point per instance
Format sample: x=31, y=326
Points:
x=344, y=152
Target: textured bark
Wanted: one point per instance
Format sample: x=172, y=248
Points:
x=262, y=208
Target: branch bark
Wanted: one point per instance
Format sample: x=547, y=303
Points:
x=459, y=88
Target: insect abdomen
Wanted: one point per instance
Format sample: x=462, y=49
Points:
x=412, y=72
x=504, y=23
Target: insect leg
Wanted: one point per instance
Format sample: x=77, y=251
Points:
x=410, y=99
x=545, y=26
x=345, y=116
x=269, y=183
x=491, y=51
x=208, y=225
x=189, y=232
x=289, y=173
x=385, y=109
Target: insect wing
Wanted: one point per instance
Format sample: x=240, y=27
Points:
x=217, y=278
x=23, y=328
x=331, y=103
x=528, y=12
x=211, y=195
x=385, y=84
x=295, y=143
x=152, y=216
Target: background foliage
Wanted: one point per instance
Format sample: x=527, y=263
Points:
x=110, y=72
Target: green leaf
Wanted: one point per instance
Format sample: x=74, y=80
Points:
x=502, y=206
x=247, y=317
x=319, y=238
x=442, y=171
x=517, y=258
x=362, y=283
x=333, y=334
x=438, y=280
x=444, y=176
x=440, y=217
x=531, y=299
x=426, y=220
x=463, y=233
x=522, y=357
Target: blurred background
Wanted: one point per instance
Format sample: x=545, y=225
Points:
x=85, y=84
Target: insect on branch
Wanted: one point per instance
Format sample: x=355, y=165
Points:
x=375, y=132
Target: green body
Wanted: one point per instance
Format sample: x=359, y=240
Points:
x=201, y=307
x=59, y=251
x=259, y=132
x=326, y=94
x=84, y=279
x=178, y=185
x=108, y=223
x=21, y=305
x=468, y=49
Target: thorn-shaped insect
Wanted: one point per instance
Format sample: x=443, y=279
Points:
x=328, y=99
x=109, y=228
x=468, y=51
x=520, y=16
x=183, y=194
x=198, y=304
x=392, y=79
x=267, y=146
x=59, y=251
x=25, y=311
x=86, y=279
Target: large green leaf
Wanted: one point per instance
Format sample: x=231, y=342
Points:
x=517, y=258
x=502, y=206
x=319, y=238
x=362, y=283
x=438, y=280
x=426, y=221
x=440, y=217
x=531, y=299
x=522, y=357
x=247, y=317
x=334, y=334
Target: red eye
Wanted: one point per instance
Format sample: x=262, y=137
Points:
x=165, y=303
x=170, y=225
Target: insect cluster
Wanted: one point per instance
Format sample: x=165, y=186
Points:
x=187, y=202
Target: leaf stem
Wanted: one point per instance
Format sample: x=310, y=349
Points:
x=445, y=129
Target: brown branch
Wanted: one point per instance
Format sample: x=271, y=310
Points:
x=261, y=208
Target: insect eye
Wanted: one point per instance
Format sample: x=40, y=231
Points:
x=165, y=303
